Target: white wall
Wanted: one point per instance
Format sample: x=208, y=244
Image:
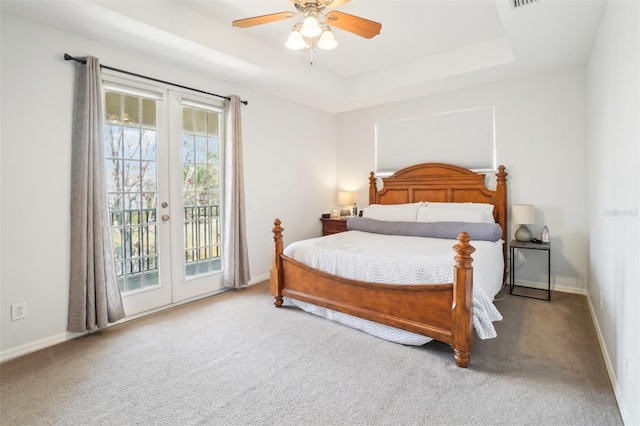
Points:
x=289, y=153
x=540, y=138
x=613, y=205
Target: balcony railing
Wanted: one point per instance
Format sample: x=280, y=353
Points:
x=135, y=233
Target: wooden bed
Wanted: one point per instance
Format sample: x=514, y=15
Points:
x=440, y=311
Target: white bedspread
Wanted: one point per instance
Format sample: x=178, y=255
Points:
x=395, y=259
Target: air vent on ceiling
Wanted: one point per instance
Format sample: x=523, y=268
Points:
x=520, y=3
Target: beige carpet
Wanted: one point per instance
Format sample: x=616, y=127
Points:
x=235, y=359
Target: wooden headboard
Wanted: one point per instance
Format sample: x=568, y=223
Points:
x=438, y=182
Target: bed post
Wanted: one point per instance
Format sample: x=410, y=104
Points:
x=501, y=205
x=276, y=265
x=462, y=333
x=372, y=188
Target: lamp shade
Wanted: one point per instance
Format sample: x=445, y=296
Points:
x=310, y=27
x=327, y=40
x=295, y=41
x=523, y=214
x=345, y=198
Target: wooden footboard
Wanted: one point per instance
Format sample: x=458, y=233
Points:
x=440, y=311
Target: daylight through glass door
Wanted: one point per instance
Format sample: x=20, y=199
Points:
x=163, y=169
x=201, y=190
x=131, y=141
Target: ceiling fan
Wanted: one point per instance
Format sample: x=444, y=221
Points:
x=311, y=32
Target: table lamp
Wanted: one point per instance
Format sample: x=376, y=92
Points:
x=523, y=214
x=345, y=200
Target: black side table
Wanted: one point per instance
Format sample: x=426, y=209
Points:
x=528, y=246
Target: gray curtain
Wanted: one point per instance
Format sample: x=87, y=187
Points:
x=235, y=256
x=94, y=296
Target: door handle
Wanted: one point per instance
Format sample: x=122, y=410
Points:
x=165, y=217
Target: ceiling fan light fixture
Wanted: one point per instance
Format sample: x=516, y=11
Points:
x=310, y=27
x=295, y=41
x=314, y=32
x=327, y=40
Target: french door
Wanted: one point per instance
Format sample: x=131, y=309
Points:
x=197, y=186
x=163, y=173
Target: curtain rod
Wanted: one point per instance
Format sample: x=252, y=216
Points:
x=68, y=57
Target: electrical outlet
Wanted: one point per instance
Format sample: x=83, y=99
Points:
x=18, y=311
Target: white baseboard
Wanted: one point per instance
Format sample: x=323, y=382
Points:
x=37, y=345
x=624, y=412
x=259, y=279
x=554, y=287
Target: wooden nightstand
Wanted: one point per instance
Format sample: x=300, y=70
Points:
x=333, y=225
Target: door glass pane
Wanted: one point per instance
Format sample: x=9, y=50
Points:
x=132, y=184
x=201, y=190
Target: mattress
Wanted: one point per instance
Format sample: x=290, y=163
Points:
x=396, y=259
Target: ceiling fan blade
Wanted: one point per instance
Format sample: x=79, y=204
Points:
x=354, y=24
x=262, y=19
x=323, y=3
x=333, y=3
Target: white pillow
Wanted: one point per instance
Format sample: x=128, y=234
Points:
x=441, y=214
x=392, y=212
x=461, y=206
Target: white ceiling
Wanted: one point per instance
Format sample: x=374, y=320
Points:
x=424, y=47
